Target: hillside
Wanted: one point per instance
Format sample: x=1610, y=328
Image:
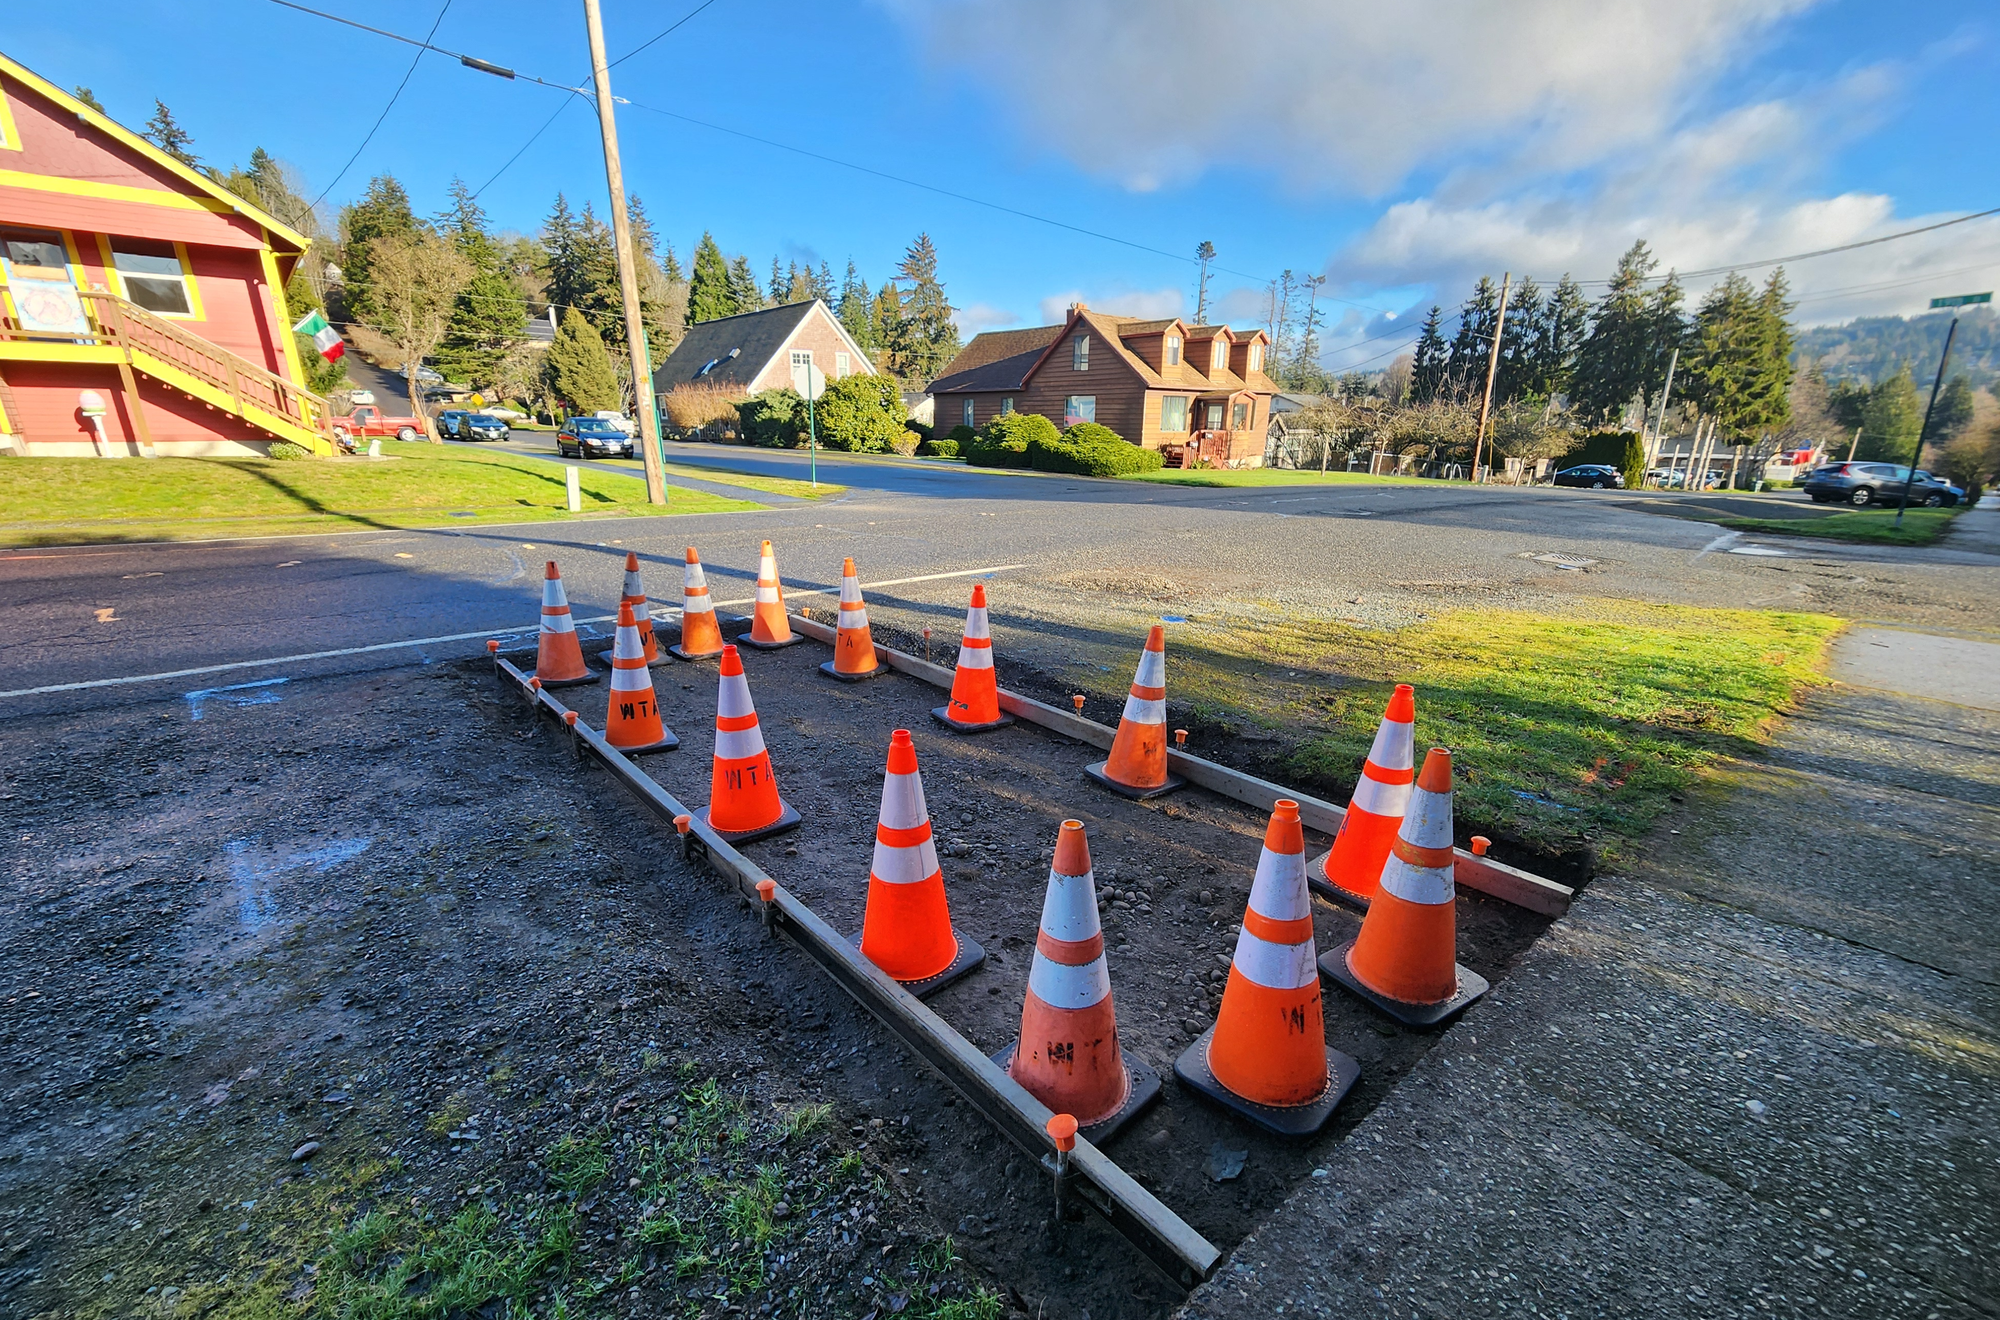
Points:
x=1871, y=347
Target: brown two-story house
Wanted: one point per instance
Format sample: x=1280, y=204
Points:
x=1192, y=391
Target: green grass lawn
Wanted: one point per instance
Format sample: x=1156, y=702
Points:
x=1272, y=477
x=73, y=501
x=1873, y=526
x=802, y=490
x=1567, y=729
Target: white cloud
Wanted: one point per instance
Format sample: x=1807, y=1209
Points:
x=1340, y=94
x=983, y=316
x=1148, y=304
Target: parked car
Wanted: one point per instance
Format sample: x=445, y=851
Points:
x=618, y=419
x=370, y=420
x=592, y=437
x=447, y=423
x=1594, y=476
x=1862, y=484
x=483, y=426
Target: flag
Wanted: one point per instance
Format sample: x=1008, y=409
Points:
x=325, y=338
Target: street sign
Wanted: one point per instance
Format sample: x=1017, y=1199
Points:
x=1962, y=300
x=810, y=380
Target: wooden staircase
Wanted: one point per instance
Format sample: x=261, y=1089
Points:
x=134, y=339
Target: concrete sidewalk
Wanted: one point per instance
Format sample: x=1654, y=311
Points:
x=1752, y=1077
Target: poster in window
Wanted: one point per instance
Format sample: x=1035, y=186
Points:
x=1079, y=408
x=48, y=305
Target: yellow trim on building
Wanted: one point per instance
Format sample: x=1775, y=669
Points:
x=110, y=192
x=10, y=136
x=282, y=306
x=75, y=256
x=195, y=311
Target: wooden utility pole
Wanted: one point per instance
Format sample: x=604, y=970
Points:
x=1492, y=369
x=1854, y=447
x=628, y=264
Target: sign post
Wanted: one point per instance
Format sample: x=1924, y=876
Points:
x=815, y=385
x=1956, y=300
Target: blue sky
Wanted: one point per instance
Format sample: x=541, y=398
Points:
x=1399, y=150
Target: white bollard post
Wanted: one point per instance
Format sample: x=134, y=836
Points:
x=575, y=491
x=375, y=447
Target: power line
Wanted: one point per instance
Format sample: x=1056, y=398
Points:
x=397, y=94
x=657, y=35
x=469, y=61
x=1803, y=256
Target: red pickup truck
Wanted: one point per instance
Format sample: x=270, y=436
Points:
x=370, y=420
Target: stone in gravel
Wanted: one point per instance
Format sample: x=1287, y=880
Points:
x=305, y=1152
x=1224, y=1164
x=782, y=1210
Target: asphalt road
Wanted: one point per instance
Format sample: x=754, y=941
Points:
x=90, y=613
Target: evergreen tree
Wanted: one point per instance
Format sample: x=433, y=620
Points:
x=1473, y=344
x=1612, y=365
x=464, y=223
x=1953, y=412
x=799, y=284
x=1519, y=341
x=743, y=286
x=163, y=132
x=1565, y=322
x=1739, y=367
x=579, y=369
x=1890, y=420
x=1433, y=359
x=780, y=286
x=645, y=242
x=487, y=320
x=856, y=309
x=583, y=269
x=85, y=95
x=821, y=284
x=925, y=337
x=710, y=296
x=886, y=313
x=382, y=212
x=671, y=266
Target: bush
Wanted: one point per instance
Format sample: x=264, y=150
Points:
x=285, y=450
x=1623, y=450
x=1090, y=450
x=904, y=443
x=939, y=448
x=692, y=407
x=863, y=415
x=775, y=419
x=961, y=434
x=1003, y=442
x=924, y=430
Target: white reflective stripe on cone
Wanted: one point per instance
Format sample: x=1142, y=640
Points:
x=1428, y=885
x=1395, y=746
x=904, y=866
x=1428, y=823
x=1061, y=986
x=736, y=744
x=1146, y=710
x=1152, y=669
x=979, y=657
x=767, y=593
x=1380, y=799
x=552, y=593
x=627, y=646
x=733, y=702
x=632, y=587
x=1069, y=907
x=975, y=622
x=1279, y=891
x=631, y=680
x=558, y=623
x=1279, y=966
x=853, y=616
x=700, y=604
x=693, y=579
x=903, y=806
x=850, y=591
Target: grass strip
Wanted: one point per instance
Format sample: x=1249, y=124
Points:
x=728, y=476
x=1869, y=526
x=1571, y=730
x=72, y=501
x=1274, y=477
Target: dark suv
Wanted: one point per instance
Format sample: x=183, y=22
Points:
x=592, y=437
x=1862, y=484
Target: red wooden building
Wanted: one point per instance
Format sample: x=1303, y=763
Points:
x=133, y=284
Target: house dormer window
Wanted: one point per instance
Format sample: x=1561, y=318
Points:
x=1218, y=359
x=1079, y=353
x=1173, y=350
x=1256, y=357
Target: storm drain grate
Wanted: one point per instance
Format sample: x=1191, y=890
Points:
x=1575, y=563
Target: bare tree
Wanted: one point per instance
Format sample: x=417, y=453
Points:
x=416, y=278
x=1395, y=383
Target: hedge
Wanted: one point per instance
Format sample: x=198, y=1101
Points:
x=1623, y=450
x=1003, y=442
x=1090, y=450
x=775, y=419
x=939, y=448
x=863, y=415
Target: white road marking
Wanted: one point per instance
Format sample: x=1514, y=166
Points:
x=194, y=699
x=1720, y=541
x=514, y=631
x=129, y=577
x=1756, y=550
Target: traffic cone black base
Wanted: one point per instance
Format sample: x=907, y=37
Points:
x=666, y=744
x=1142, y=1089
x=788, y=819
x=1471, y=985
x=1096, y=771
x=569, y=682
x=1317, y=882
x=970, y=956
x=793, y=640
x=1286, y=1121
x=942, y=715
x=831, y=672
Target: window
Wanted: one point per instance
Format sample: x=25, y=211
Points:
x=1173, y=350
x=153, y=276
x=1079, y=408
x=801, y=364
x=843, y=363
x=1256, y=357
x=1239, y=416
x=1173, y=413
x=1079, y=353
x=34, y=253
x=1218, y=357
x=1214, y=411
x=968, y=412
x=1006, y=406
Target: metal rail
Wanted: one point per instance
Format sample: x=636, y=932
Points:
x=1086, y=1173
x=1521, y=888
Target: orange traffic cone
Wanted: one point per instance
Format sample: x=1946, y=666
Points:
x=1266, y=1057
x=632, y=723
x=743, y=801
x=907, y=930
x=1067, y=1054
x=635, y=596
x=770, y=628
x=700, y=639
x=974, y=704
x=558, y=655
x=1137, y=766
x=1404, y=959
x=1352, y=868
x=854, y=655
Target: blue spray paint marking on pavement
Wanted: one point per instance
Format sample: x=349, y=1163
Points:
x=194, y=699
x=1173, y=618
x=256, y=899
